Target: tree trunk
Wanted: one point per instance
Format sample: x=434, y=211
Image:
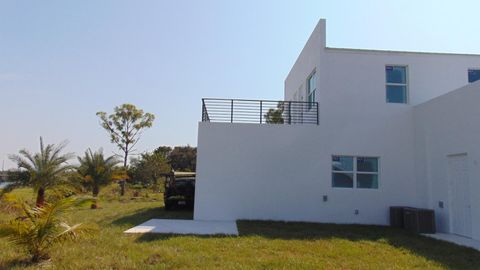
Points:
x=122, y=182
x=95, y=191
x=155, y=183
x=40, y=197
x=122, y=187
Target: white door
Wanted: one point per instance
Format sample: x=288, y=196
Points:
x=459, y=191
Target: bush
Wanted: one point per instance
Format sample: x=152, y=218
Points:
x=37, y=229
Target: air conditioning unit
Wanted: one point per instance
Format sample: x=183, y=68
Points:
x=419, y=220
x=396, y=216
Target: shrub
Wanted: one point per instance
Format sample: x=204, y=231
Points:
x=39, y=228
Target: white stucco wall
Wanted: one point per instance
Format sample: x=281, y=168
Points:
x=360, y=74
x=282, y=172
x=306, y=63
x=449, y=125
x=354, y=114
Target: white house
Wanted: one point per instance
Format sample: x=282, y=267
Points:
x=363, y=130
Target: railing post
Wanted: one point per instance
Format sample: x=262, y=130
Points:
x=302, y=108
x=261, y=104
x=231, y=113
x=317, y=113
x=289, y=112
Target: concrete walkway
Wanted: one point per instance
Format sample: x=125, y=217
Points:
x=456, y=239
x=178, y=226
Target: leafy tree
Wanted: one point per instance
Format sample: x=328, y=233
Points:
x=20, y=177
x=183, y=158
x=15, y=179
x=148, y=168
x=37, y=229
x=125, y=126
x=275, y=116
x=163, y=151
x=96, y=170
x=46, y=169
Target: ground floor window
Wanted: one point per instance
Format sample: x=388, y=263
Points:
x=473, y=75
x=355, y=172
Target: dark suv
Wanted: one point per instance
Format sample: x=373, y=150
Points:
x=179, y=191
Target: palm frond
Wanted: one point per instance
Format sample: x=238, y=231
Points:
x=38, y=228
x=96, y=168
x=46, y=168
x=72, y=233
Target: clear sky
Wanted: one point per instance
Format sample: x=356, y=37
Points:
x=62, y=61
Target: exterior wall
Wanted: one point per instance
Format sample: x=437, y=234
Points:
x=282, y=172
x=449, y=125
x=251, y=171
x=353, y=73
x=356, y=119
x=307, y=61
x=361, y=74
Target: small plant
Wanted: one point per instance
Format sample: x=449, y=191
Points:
x=39, y=228
x=96, y=171
x=45, y=169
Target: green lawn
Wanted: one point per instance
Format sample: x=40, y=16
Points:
x=261, y=245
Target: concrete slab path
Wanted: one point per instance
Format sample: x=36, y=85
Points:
x=178, y=226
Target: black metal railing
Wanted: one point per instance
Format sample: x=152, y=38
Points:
x=259, y=111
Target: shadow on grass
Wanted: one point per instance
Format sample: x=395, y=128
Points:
x=20, y=263
x=144, y=215
x=151, y=237
x=449, y=255
x=446, y=254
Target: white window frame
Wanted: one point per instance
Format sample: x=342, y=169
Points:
x=468, y=71
x=309, y=91
x=406, y=84
x=355, y=172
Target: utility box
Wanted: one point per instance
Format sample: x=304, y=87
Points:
x=396, y=216
x=419, y=220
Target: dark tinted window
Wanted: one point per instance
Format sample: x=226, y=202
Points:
x=396, y=74
x=396, y=80
x=473, y=75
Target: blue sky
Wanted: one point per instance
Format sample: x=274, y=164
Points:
x=62, y=61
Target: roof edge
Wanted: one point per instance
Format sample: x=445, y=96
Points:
x=353, y=50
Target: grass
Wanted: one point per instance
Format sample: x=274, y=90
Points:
x=261, y=245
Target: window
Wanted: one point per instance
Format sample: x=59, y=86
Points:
x=343, y=172
x=396, y=77
x=358, y=172
x=311, y=88
x=473, y=75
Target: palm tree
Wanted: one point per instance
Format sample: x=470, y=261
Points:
x=37, y=229
x=46, y=169
x=96, y=170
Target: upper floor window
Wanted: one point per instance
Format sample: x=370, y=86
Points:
x=396, y=84
x=358, y=172
x=473, y=75
x=311, y=88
